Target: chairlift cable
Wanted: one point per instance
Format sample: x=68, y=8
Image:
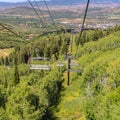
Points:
x=43, y=17
x=36, y=13
x=2, y=24
x=50, y=16
x=82, y=28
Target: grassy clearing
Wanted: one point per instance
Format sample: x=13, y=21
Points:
x=69, y=107
x=5, y=52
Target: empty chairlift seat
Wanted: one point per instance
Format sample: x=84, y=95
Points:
x=40, y=67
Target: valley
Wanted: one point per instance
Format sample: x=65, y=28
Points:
x=64, y=15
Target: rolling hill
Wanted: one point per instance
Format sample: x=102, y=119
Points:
x=61, y=14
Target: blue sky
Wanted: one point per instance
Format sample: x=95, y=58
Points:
x=12, y=0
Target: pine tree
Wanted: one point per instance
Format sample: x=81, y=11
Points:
x=16, y=73
x=6, y=61
x=16, y=76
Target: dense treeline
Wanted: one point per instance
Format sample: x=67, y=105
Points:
x=52, y=46
x=32, y=97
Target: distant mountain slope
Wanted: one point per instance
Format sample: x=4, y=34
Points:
x=19, y=11
x=72, y=2
x=5, y=5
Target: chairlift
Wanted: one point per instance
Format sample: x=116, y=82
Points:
x=69, y=55
x=60, y=64
x=39, y=67
x=40, y=58
x=77, y=71
x=72, y=31
x=74, y=64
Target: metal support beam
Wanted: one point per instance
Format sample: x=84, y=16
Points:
x=69, y=61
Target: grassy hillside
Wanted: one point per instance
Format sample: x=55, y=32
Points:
x=10, y=36
x=94, y=94
x=9, y=42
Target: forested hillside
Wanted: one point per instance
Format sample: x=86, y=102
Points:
x=93, y=94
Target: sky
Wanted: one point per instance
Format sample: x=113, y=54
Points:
x=12, y=0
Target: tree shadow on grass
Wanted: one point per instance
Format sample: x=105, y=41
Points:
x=49, y=113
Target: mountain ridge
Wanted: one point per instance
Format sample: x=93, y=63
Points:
x=5, y=5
